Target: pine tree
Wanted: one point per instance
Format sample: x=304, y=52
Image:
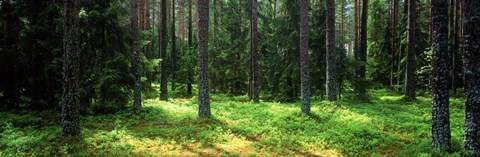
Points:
x=203, y=85
x=410, y=78
x=472, y=75
x=190, y=44
x=174, y=47
x=137, y=95
x=163, y=50
x=255, y=92
x=331, y=56
x=304, y=70
x=70, y=96
x=440, y=113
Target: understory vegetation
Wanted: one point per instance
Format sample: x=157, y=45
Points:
x=385, y=126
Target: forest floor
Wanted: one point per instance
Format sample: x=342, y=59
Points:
x=386, y=126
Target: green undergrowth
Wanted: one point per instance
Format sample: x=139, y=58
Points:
x=385, y=126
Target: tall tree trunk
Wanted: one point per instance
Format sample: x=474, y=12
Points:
x=148, y=27
x=440, y=113
x=71, y=70
x=255, y=92
x=331, y=56
x=410, y=78
x=163, y=51
x=472, y=75
x=393, y=44
x=304, y=59
x=190, y=44
x=174, y=47
x=362, y=52
x=137, y=65
x=203, y=85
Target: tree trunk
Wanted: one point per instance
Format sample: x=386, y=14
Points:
x=163, y=51
x=331, y=56
x=410, y=79
x=190, y=44
x=71, y=70
x=304, y=59
x=203, y=85
x=472, y=75
x=393, y=44
x=137, y=65
x=362, y=52
x=174, y=46
x=440, y=115
x=255, y=92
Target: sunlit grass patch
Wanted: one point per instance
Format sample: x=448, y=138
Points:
x=386, y=126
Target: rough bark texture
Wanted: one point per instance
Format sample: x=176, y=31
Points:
x=163, y=51
x=440, y=113
x=472, y=75
x=71, y=70
x=190, y=44
x=410, y=78
x=331, y=56
x=255, y=92
x=304, y=70
x=203, y=85
x=174, y=47
x=137, y=65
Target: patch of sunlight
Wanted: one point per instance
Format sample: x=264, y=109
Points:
x=353, y=117
x=161, y=147
x=235, y=144
x=169, y=106
x=320, y=148
x=390, y=98
x=276, y=108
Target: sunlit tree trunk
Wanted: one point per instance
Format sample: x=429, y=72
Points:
x=472, y=75
x=71, y=69
x=440, y=113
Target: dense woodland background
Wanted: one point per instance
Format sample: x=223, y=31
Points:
x=91, y=58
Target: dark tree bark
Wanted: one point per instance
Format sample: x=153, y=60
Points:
x=471, y=23
x=410, y=78
x=362, y=51
x=393, y=40
x=71, y=69
x=255, y=92
x=304, y=59
x=174, y=47
x=331, y=56
x=137, y=65
x=190, y=44
x=203, y=85
x=440, y=113
x=355, y=29
x=163, y=51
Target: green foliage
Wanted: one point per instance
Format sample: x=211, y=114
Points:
x=384, y=127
